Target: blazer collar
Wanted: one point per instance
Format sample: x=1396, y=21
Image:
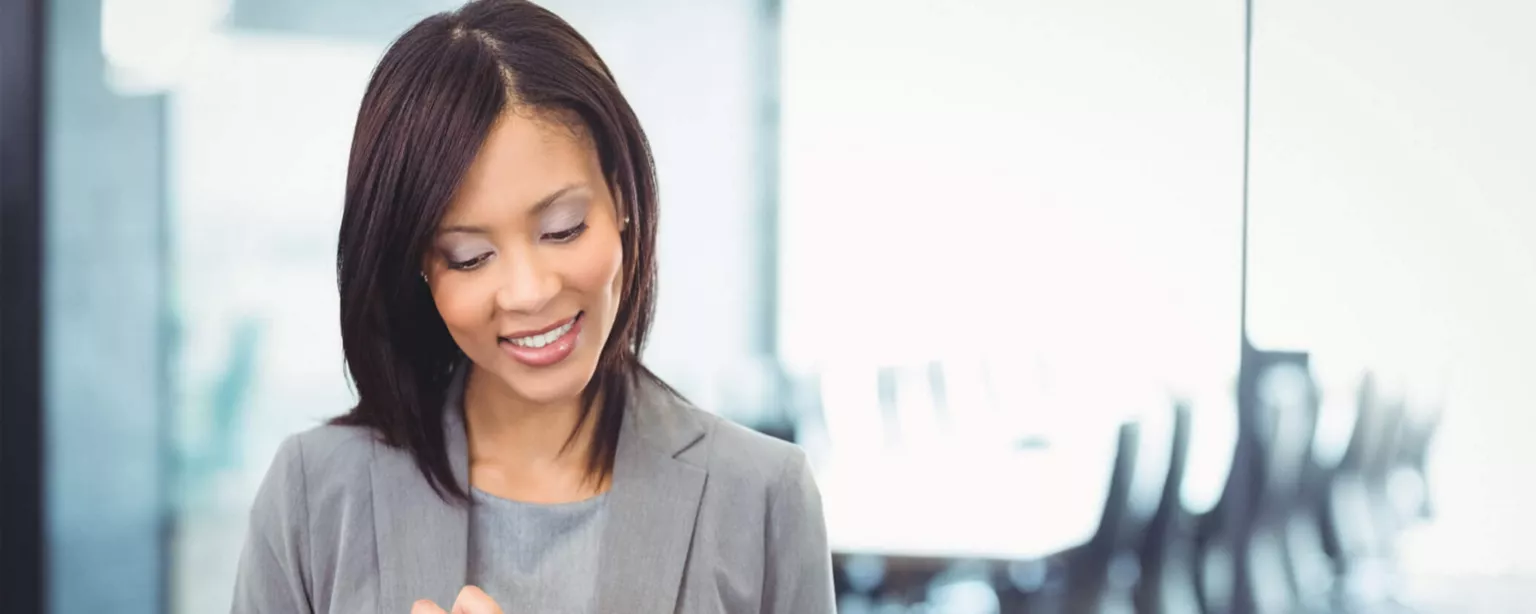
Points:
x=653, y=501
x=661, y=420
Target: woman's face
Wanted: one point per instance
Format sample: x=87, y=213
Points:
x=526, y=265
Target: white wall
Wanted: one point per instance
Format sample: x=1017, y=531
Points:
x=1053, y=178
x=1394, y=226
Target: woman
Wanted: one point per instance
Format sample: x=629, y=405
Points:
x=508, y=451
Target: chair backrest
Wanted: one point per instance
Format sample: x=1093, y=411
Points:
x=1286, y=411
x=1154, y=450
x=1112, y=523
x=1165, y=531
x=1419, y=429
x=1170, y=503
x=1369, y=422
x=1227, y=534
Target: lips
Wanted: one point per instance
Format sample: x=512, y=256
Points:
x=544, y=347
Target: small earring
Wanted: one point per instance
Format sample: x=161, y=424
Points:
x=424, y=277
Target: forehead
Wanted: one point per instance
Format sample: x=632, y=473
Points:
x=525, y=157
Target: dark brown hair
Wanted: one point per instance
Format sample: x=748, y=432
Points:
x=429, y=106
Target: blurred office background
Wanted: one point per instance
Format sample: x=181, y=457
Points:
x=1077, y=305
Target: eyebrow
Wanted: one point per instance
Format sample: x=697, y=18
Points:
x=538, y=209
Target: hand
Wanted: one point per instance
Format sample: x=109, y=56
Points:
x=471, y=600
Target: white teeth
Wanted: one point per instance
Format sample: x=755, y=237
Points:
x=538, y=341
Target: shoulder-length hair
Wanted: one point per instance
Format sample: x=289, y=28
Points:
x=429, y=106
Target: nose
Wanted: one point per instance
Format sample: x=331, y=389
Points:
x=527, y=284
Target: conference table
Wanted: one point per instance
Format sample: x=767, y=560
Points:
x=960, y=501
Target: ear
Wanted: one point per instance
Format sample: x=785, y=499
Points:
x=426, y=265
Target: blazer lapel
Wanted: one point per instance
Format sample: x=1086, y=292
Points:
x=653, y=503
x=422, y=540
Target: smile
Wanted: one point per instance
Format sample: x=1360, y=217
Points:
x=538, y=340
x=543, y=348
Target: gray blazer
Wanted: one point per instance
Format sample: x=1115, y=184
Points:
x=704, y=516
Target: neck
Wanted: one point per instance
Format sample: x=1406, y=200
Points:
x=511, y=434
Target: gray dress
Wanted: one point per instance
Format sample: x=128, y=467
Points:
x=533, y=557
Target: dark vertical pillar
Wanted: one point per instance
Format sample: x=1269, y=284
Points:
x=22, y=547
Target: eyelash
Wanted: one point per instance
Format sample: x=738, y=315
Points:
x=564, y=236
x=468, y=264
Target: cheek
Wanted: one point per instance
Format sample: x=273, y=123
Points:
x=598, y=269
x=462, y=305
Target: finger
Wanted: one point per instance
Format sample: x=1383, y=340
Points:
x=472, y=600
x=426, y=607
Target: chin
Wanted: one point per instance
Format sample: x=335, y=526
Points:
x=546, y=385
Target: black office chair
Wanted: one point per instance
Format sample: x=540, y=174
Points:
x=1157, y=443
x=1335, y=525
x=1285, y=411
x=1314, y=543
x=1164, y=585
x=1360, y=523
x=1203, y=577
x=1417, y=435
x=1224, y=537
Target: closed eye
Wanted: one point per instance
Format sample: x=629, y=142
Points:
x=567, y=235
x=471, y=264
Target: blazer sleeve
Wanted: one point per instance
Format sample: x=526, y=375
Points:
x=274, y=564
x=798, y=570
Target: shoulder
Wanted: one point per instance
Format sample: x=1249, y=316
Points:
x=318, y=464
x=334, y=451
x=765, y=484
x=743, y=453
x=730, y=452
x=333, y=447
x=316, y=499
x=760, y=481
